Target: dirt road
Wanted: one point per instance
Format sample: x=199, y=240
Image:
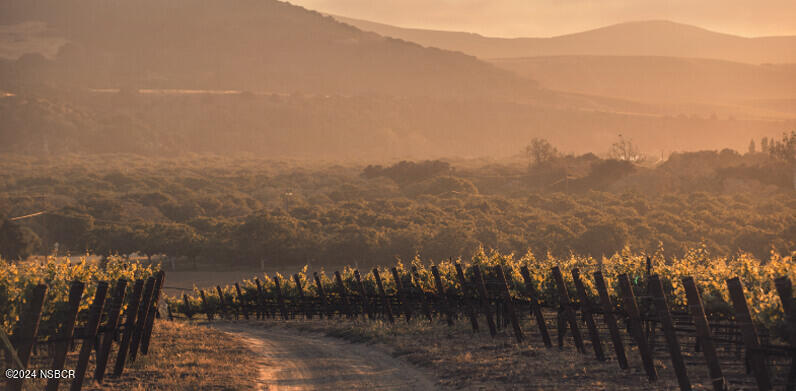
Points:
x=297, y=361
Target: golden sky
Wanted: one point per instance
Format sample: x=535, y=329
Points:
x=537, y=18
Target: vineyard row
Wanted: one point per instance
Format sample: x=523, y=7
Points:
x=97, y=328
x=732, y=344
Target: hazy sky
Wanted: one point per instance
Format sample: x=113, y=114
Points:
x=511, y=18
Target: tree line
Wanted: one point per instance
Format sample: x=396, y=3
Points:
x=241, y=211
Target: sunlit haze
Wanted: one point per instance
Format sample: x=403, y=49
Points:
x=395, y=195
x=523, y=18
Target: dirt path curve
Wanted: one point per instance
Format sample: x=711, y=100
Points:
x=294, y=361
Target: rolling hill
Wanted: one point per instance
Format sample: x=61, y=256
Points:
x=269, y=78
x=674, y=67
x=644, y=38
x=254, y=45
x=337, y=127
x=761, y=90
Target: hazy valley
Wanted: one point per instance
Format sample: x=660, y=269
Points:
x=304, y=85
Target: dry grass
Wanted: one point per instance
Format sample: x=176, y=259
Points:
x=462, y=360
x=188, y=356
x=182, y=356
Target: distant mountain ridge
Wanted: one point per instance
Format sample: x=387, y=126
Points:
x=643, y=38
x=756, y=90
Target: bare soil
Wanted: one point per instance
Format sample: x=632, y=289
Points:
x=456, y=358
x=292, y=360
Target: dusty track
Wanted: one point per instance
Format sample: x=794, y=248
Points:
x=296, y=361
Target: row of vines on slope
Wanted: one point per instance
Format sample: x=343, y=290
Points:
x=18, y=280
x=709, y=273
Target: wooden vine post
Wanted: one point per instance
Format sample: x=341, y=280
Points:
x=129, y=324
x=221, y=302
x=280, y=298
x=66, y=332
x=407, y=309
x=89, y=334
x=152, y=312
x=27, y=331
x=749, y=334
x=704, y=334
x=443, y=298
x=662, y=311
x=385, y=301
x=785, y=291
x=363, y=295
x=568, y=311
x=536, y=308
x=205, y=305
x=610, y=319
x=260, y=299
x=649, y=325
x=631, y=308
x=187, y=303
x=422, y=293
x=143, y=311
x=468, y=297
x=587, y=310
x=504, y=287
x=321, y=296
x=242, y=302
x=483, y=298
x=303, y=305
x=343, y=294
x=104, y=350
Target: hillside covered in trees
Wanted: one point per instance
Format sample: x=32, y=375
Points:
x=239, y=211
x=52, y=121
